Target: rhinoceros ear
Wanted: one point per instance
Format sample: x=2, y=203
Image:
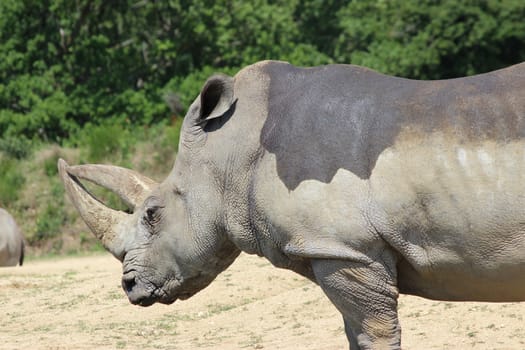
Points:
x=216, y=97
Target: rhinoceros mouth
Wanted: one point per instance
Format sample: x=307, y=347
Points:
x=145, y=298
x=157, y=295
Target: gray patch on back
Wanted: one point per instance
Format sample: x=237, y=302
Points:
x=342, y=117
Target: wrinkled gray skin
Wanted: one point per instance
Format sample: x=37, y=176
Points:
x=366, y=184
x=11, y=241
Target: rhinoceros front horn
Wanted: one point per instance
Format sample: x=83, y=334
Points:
x=107, y=224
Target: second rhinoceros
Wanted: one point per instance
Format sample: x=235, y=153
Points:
x=11, y=241
x=368, y=185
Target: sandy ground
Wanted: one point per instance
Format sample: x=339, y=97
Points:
x=77, y=303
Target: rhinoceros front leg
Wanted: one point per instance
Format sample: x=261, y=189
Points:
x=366, y=295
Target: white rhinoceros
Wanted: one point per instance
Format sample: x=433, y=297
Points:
x=11, y=241
x=369, y=185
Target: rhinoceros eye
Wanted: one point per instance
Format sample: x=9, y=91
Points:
x=152, y=216
x=150, y=213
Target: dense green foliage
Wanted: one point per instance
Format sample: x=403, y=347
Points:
x=104, y=75
x=11, y=182
x=66, y=63
x=432, y=39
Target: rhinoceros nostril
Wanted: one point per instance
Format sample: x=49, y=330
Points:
x=128, y=282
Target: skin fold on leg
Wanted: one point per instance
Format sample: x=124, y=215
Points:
x=366, y=295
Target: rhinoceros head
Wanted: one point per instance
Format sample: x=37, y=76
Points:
x=174, y=242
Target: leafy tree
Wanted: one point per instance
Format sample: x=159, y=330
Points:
x=432, y=39
x=318, y=23
x=65, y=63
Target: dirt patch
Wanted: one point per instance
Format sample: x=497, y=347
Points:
x=77, y=303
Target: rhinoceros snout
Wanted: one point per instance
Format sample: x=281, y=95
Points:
x=136, y=294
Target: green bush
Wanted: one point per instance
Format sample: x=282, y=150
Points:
x=165, y=142
x=52, y=216
x=106, y=141
x=48, y=224
x=16, y=147
x=170, y=141
x=50, y=165
x=11, y=181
